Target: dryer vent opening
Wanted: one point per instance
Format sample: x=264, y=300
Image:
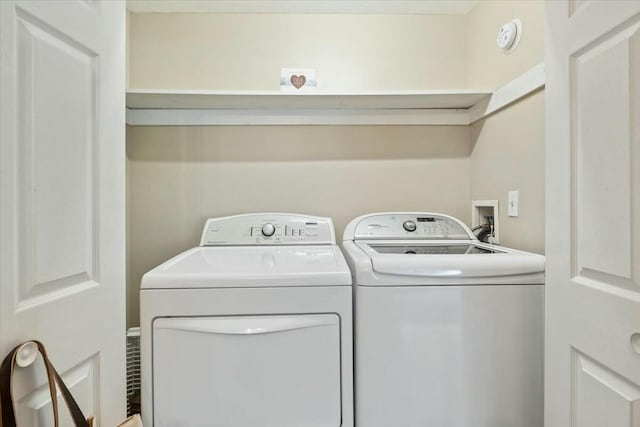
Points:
x=133, y=371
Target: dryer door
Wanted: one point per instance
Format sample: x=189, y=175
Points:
x=239, y=371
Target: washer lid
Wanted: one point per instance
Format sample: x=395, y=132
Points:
x=449, y=259
x=251, y=266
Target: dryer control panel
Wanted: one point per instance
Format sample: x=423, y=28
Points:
x=268, y=229
x=407, y=225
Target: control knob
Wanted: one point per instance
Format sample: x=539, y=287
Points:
x=268, y=229
x=409, y=225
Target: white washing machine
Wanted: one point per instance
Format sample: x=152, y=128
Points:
x=253, y=328
x=448, y=330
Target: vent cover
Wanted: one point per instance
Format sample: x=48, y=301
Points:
x=133, y=371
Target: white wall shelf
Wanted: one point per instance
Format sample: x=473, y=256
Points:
x=247, y=100
x=151, y=107
x=197, y=107
x=525, y=84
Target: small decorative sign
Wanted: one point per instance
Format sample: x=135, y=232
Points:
x=298, y=80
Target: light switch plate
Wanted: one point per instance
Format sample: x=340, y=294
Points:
x=512, y=203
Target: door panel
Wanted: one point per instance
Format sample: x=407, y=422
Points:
x=602, y=397
x=34, y=409
x=56, y=149
x=592, y=371
x=604, y=84
x=62, y=80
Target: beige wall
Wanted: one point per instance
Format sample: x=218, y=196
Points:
x=179, y=176
x=487, y=66
x=508, y=147
x=508, y=154
x=349, y=52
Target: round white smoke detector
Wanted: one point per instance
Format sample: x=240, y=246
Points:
x=509, y=35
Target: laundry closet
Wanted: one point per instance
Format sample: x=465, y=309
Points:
x=400, y=118
x=320, y=213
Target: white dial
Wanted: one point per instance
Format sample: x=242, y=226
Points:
x=409, y=225
x=268, y=229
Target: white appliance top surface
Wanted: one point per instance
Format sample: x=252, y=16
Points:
x=449, y=259
x=251, y=266
x=431, y=246
x=257, y=250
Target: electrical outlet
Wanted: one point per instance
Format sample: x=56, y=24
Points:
x=512, y=204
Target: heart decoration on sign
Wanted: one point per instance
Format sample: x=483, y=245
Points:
x=298, y=81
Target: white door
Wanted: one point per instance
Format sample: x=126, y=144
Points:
x=62, y=83
x=593, y=214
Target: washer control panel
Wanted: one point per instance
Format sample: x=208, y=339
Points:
x=399, y=226
x=268, y=229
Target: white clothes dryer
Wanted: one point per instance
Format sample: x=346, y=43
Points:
x=448, y=330
x=253, y=328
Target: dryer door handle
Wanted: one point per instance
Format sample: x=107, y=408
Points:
x=245, y=325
